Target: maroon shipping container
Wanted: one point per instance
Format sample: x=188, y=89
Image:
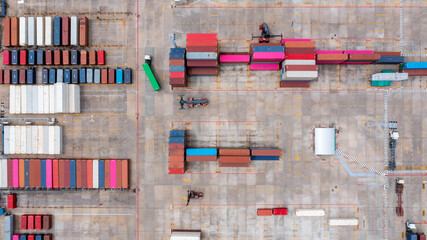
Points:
x=84, y=25
x=14, y=34
x=202, y=49
x=411, y=72
x=234, y=152
x=176, y=146
x=6, y=76
x=176, y=152
x=389, y=54
x=297, y=84
x=78, y=174
x=6, y=32
x=83, y=57
x=111, y=76
x=84, y=173
x=176, y=165
x=331, y=57
x=23, y=57
x=233, y=164
x=204, y=158
x=203, y=71
x=66, y=57
x=32, y=173
x=61, y=174
x=22, y=76
x=67, y=182
x=300, y=50
x=48, y=57
x=178, y=81
x=9, y=170
x=301, y=68
x=202, y=63
x=104, y=76
x=46, y=222
x=47, y=237
x=234, y=159
x=180, y=158
x=92, y=57
x=65, y=31
x=101, y=57
x=57, y=57
x=363, y=57
x=176, y=62
x=1, y=76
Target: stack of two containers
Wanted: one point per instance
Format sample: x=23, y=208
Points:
x=414, y=68
x=266, y=56
x=177, y=71
x=201, y=154
x=330, y=57
x=202, y=54
x=299, y=66
x=361, y=57
x=177, y=152
x=266, y=154
x=234, y=157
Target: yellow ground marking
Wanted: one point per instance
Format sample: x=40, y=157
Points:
x=297, y=158
x=187, y=180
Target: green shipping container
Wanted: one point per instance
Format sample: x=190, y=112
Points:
x=150, y=76
x=380, y=83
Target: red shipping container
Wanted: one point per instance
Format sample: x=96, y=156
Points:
x=30, y=222
x=176, y=165
x=57, y=57
x=177, y=158
x=176, y=145
x=300, y=50
x=22, y=76
x=202, y=36
x=205, y=158
x=203, y=71
x=78, y=174
x=55, y=172
x=411, y=72
x=67, y=181
x=266, y=152
x=264, y=212
x=178, y=82
x=65, y=31
x=14, y=35
x=125, y=172
x=6, y=76
x=389, y=54
x=298, y=84
x=92, y=57
x=22, y=57
x=107, y=173
x=83, y=57
x=38, y=222
x=30, y=237
x=202, y=49
x=176, y=152
x=234, y=159
x=37, y=166
x=176, y=74
x=32, y=173
x=90, y=173
x=6, y=32
x=101, y=57
x=234, y=152
x=1, y=76
x=198, y=43
x=300, y=56
x=111, y=76
x=6, y=57
x=66, y=57
x=46, y=222
x=301, y=68
x=300, y=44
x=9, y=170
x=176, y=171
x=24, y=222
x=11, y=200
x=48, y=57
x=61, y=173
x=280, y=211
x=104, y=76
x=84, y=174
x=363, y=57
x=202, y=63
x=332, y=57
x=176, y=62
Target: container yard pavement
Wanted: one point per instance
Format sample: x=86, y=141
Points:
x=246, y=109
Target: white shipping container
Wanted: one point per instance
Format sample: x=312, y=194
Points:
x=389, y=76
x=17, y=140
x=46, y=99
x=300, y=62
x=51, y=141
x=72, y=98
x=12, y=97
x=52, y=95
x=48, y=41
x=18, y=100
x=4, y=173
x=46, y=140
x=12, y=140
x=343, y=222
x=35, y=98
x=31, y=31
x=1, y=174
x=58, y=139
x=77, y=98
x=40, y=31
x=40, y=99
x=34, y=139
x=40, y=139
x=60, y=97
x=74, y=31
x=6, y=138
x=23, y=40
x=24, y=139
x=95, y=177
x=30, y=99
x=299, y=75
x=29, y=145
x=310, y=212
x=24, y=101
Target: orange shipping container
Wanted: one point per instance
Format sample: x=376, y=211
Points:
x=6, y=32
x=61, y=173
x=32, y=173
x=14, y=35
x=264, y=212
x=78, y=174
x=207, y=43
x=234, y=152
x=57, y=57
x=83, y=34
x=176, y=164
x=119, y=174
x=83, y=57
x=331, y=57
x=300, y=44
x=55, y=170
x=234, y=159
x=176, y=152
x=92, y=57
x=21, y=173
x=104, y=76
x=89, y=173
x=125, y=172
x=107, y=174
x=176, y=158
x=38, y=179
x=66, y=57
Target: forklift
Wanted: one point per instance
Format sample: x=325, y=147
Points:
x=192, y=102
x=193, y=195
x=265, y=34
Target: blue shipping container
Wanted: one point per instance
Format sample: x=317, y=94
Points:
x=82, y=75
x=39, y=237
x=101, y=172
x=177, y=133
x=174, y=68
x=412, y=65
x=43, y=173
x=72, y=173
x=202, y=55
x=23, y=237
x=74, y=57
x=390, y=60
x=45, y=76
x=201, y=151
x=89, y=75
x=60, y=75
x=57, y=23
x=8, y=236
x=67, y=75
x=269, y=49
x=40, y=58
x=411, y=236
x=176, y=55
x=27, y=173
x=177, y=50
x=75, y=76
x=31, y=57
x=15, y=57
x=266, y=158
x=1, y=211
x=52, y=75
x=31, y=76
x=176, y=140
x=128, y=76
x=8, y=223
x=15, y=76
x=119, y=76
x=97, y=75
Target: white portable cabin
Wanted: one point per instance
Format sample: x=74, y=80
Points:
x=343, y=222
x=95, y=170
x=74, y=31
x=40, y=31
x=23, y=40
x=48, y=41
x=32, y=31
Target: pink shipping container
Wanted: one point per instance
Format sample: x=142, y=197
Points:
x=113, y=174
x=328, y=52
x=267, y=66
x=359, y=52
x=296, y=40
x=201, y=36
x=234, y=58
x=348, y=63
x=15, y=173
x=49, y=173
x=268, y=56
x=16, y=237
x=6, y=57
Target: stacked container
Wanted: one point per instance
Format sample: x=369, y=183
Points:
x=271, y=154
x=177, y=70
x=234, y=157
x=202, y=54
x=266, y=56
x=61, y=174
x=201, y=154
x=299, y=66
x=177, y=143
x=382, y=83
x=414, y=68
x=361, y=57
x=234, y=57
x=330, y=57
x=390, y=58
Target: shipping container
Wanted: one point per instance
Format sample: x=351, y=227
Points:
x=55, y=172
x=363, y=57
x=31, y=57
x=59, y=75
x=119, y=76
x=57, y=57
x=310, y=212
x=234, y=152
x=265, y=158
x=39, y=237
x=52, y=76
x=230, y=59
x=1, y=78
x=390, y=60
x=43, y=173
x=47, y=237
x=40, y=31
x=201, y=151
x=15, y=57
x=266, y=152
x=30, y=222
x=67, y=75
x=15, y=173
x=66, y=57
x=92, y=57
x=21, y=173
x=15, y=80
x=4, y=173
x=104, y=76
x=89, y=174
x=208, y=43
x=201, y=36
x=233, y=159
x=268, y=49
x=89, y=75
x=24, y=222
x=82, y=75
x=6, y=32
x=33, y=173
x=8, y=226
x=125, y=172
x=176, y=152
x=202, y=158
x=23, y=38
x=22, y=77
x=32, y=31
x=48, y=57
x=31, y=76
x=111, y=76
x=48, y=41
x=200, y=49
x=14, y=37
x=101, y=57
x=202, y=71
x=107, y=176
x=83, y=31
x=49, y=179
x=300, y=56
x=113, y=174
x=65, y=31
x=280, y=211
x=180, y=62
x=22, y=57
x=202, y=55
x=38, y=222
x=40, y=57
x=264, y=212
x=73, y=174
x=298, y=84
x=78, y=174
x=74, y=31
x=67, y=181
x=46, y=222
x=83, y=173
x=83, y=57
x=119, y=174
x=75, y=76
x=300, y=50
x=75, y=57
x=27, y=173
x=95, y=175
x=176, y=55
x=101, y=172
x=176, y=139
x=389, y=54
x=97, y=75
x=6, y=57
x=45, y=76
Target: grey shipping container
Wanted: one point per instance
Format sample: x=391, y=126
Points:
x=60, y=75
x=74, y=57
x=57, y=32
x=97, y=75
x=40, y=57
x=15, y=76
x=45, y=76
x=67, y=76
x=128, y=76
x=89, y=75
x=31, y=76
x=75, y=76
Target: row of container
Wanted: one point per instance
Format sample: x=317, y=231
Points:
x=177, y=69
x=358, y=57
x=35, y=222
x=31, y=139
x=44, y=99
x=64, y=174
x=202, y=54
x=21, y=76
x=177, y=142
x=32, y=237
x=272, y=211
x=53, y=57
x=45, y=31
x=266, y=56
x=237, y=157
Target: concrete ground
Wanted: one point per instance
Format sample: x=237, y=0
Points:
x=246, y=109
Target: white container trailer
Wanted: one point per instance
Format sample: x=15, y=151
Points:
x=12, y=97
x=52, y=96
x=40, y=31
x=74, y=31
x=46, y=139
x=343, y=222
x=4, y=173
x=24, y=94
x=23, y=39
x=40, y=139
x=51, y=143
x=48, y=40
x=18, y=100
x=300, y=62
x=57, y=139
x=95, y=177
x=46, y=99
x=32, y=31
x=12, y=140
x=6, y=140
x=28, y=135
x=34, y=139
x=310, y=212
x=40, y=99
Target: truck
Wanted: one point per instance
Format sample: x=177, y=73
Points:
x=411, y=232
x=147, y=69
x=399, y=191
